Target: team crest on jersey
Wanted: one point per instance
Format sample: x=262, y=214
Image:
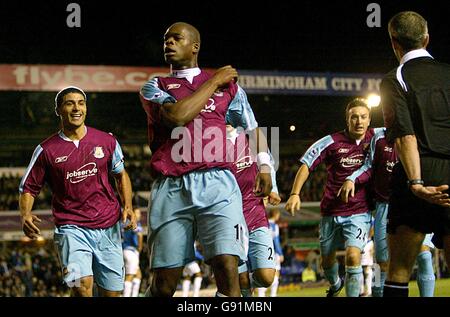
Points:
x=366, y=146
x=98, y=152
x=173, y=86
x=210, y=106
x=390, y=166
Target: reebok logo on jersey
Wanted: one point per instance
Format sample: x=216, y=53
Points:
x=343, y=150
x=173, y=86
x=61, y=159
x=352, y=161
x=89, y=169
x=388, y=149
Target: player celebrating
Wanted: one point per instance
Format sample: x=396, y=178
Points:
x=195, y=191
x=377, y=170
x=259, y=269
x=76, y=163
x=342, y=225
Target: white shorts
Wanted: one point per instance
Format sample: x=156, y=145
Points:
x=191, y=269
x=131, y=258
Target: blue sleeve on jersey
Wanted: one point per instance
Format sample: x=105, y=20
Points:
x=37, y=151
x=151, y=92
x=368, y=162
x=315, y=150
x=117, y=165
x=240, y=113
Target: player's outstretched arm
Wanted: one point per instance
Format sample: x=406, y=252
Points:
x=293, y=204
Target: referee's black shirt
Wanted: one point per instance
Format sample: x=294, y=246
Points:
x=416, y=100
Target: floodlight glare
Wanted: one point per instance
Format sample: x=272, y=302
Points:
x=373, y=100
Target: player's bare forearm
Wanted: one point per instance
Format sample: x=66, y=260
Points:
x=123, y=185
x=408, y=153
x=294, y=203
x=26, y=202
x=185, y=110
x=300, y=179
x=29, y=221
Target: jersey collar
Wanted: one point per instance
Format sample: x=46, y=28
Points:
x=65, y=138
x=188, y=73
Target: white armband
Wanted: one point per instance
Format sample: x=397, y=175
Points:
x=263, y=158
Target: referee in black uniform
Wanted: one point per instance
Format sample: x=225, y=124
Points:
x=416, y=108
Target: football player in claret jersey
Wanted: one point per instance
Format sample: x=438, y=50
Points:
x=259, y=269
x=76, y=163
x=377, y=172
x=342, y=225
x=195, y=194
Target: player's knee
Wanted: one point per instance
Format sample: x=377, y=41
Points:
x=225, y=264
x=265, y=277
x=162, y=287
x=353, y=257
x=82, y=287
x=244, y=280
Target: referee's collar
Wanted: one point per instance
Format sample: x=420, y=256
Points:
x=415, y=54
x=188, y=73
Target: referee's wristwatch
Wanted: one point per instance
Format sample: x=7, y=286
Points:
x=414, y=182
